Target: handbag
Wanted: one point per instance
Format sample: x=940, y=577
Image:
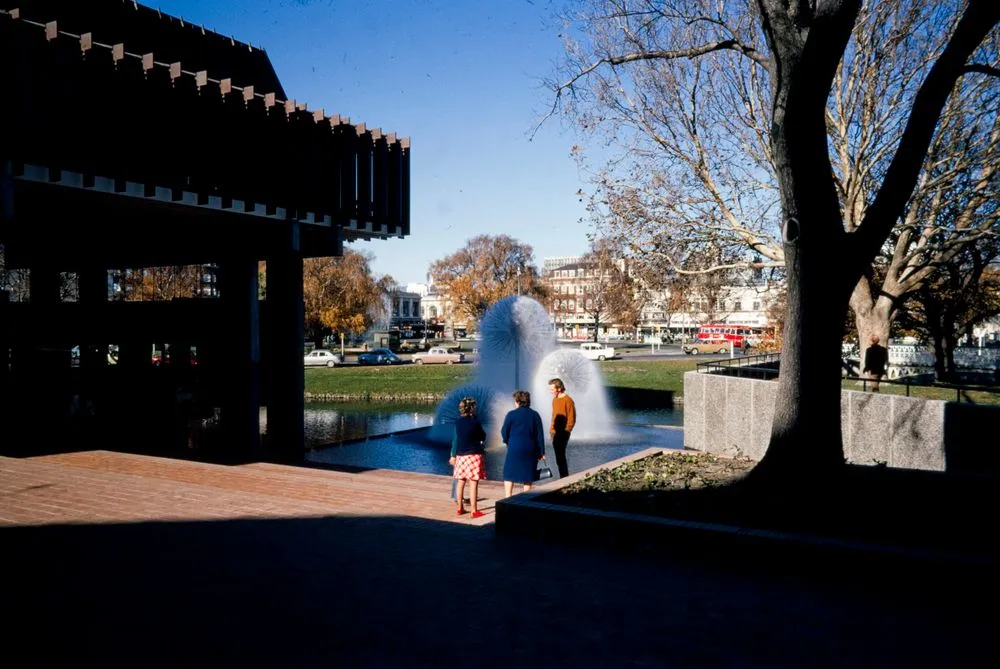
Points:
x=543, y=472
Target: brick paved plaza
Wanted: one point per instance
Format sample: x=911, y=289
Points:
x=125, y=560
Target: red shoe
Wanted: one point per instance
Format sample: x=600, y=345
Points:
x=460, y=511
x=478, y=514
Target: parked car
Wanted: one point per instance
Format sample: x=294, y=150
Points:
x=438, y=355
x=323, y=358
x=596, y=351
x=379, y=356
x=161, y=358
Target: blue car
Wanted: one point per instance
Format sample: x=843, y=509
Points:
x=379, y=356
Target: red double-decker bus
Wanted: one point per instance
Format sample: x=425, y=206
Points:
x=723, y=337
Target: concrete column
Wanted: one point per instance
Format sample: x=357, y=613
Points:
x=241, y=401
x=6, y=218
x=42, y=363
x=93, y=298
x=44, y=283
x=286, y=330
x=5, y=424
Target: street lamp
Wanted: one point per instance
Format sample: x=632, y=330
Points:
x=518, y=280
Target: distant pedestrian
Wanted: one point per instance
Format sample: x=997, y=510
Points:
x=563, y=421
x=524, y=435
x=876, y=359
x=467, y=448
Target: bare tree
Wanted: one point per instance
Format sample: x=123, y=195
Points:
x=13, y=281
x=609, y=291
x=962, y=294
x=725, y=111
x=683, y=88
x=150, y=284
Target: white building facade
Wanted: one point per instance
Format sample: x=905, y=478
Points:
x=662, y=314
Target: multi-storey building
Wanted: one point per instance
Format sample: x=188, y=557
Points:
x=404, y=310
x=746, y=300
x=572, y=297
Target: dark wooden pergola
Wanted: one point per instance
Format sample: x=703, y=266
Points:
x=131, y=140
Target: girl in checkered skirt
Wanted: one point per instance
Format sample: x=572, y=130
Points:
x=467, y=447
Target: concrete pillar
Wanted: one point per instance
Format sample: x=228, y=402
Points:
x=241, y=401
x=286, y=333
x=93, y=298
x=41, y=363
x=6, y=219
x=5, y=425
x=44, y=284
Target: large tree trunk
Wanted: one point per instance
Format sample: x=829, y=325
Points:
x=805, y=436
x=805, y=447
x=950, y=343
x=940, y=359
x=871, y=317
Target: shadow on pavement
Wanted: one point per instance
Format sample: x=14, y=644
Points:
x=392, y=591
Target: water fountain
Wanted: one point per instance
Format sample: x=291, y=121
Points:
x=585, y=384
x=518, y=350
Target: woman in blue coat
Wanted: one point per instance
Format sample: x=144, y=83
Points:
x=524, y=435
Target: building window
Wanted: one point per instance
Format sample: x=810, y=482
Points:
x=756, y=305
x=737, y=306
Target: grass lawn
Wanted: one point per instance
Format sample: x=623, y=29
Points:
x=665, y=375
x=410, y=381
x=428, y=381
x=383, y=381
x=930, y=392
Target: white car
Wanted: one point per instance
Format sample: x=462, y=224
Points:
x=438, y=354
x=597, y=351
x=323, y=358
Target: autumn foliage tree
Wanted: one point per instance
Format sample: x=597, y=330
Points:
x=342, y=294
x=160, y=283
x=485, y=270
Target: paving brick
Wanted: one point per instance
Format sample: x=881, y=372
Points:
x=129, y=561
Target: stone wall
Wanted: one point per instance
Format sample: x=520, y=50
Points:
x=732, y=416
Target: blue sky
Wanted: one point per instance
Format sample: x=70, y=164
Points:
x=462, y=79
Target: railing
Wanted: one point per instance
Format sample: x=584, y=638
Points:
x=766, y=366
x=963, y=393
x=760, y=366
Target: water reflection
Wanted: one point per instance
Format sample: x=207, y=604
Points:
x=329, y=423
x=415, y=452
x=389, y=437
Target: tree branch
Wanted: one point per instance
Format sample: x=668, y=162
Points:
x=981, y=69
x=978, y=19
x=672, y=54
